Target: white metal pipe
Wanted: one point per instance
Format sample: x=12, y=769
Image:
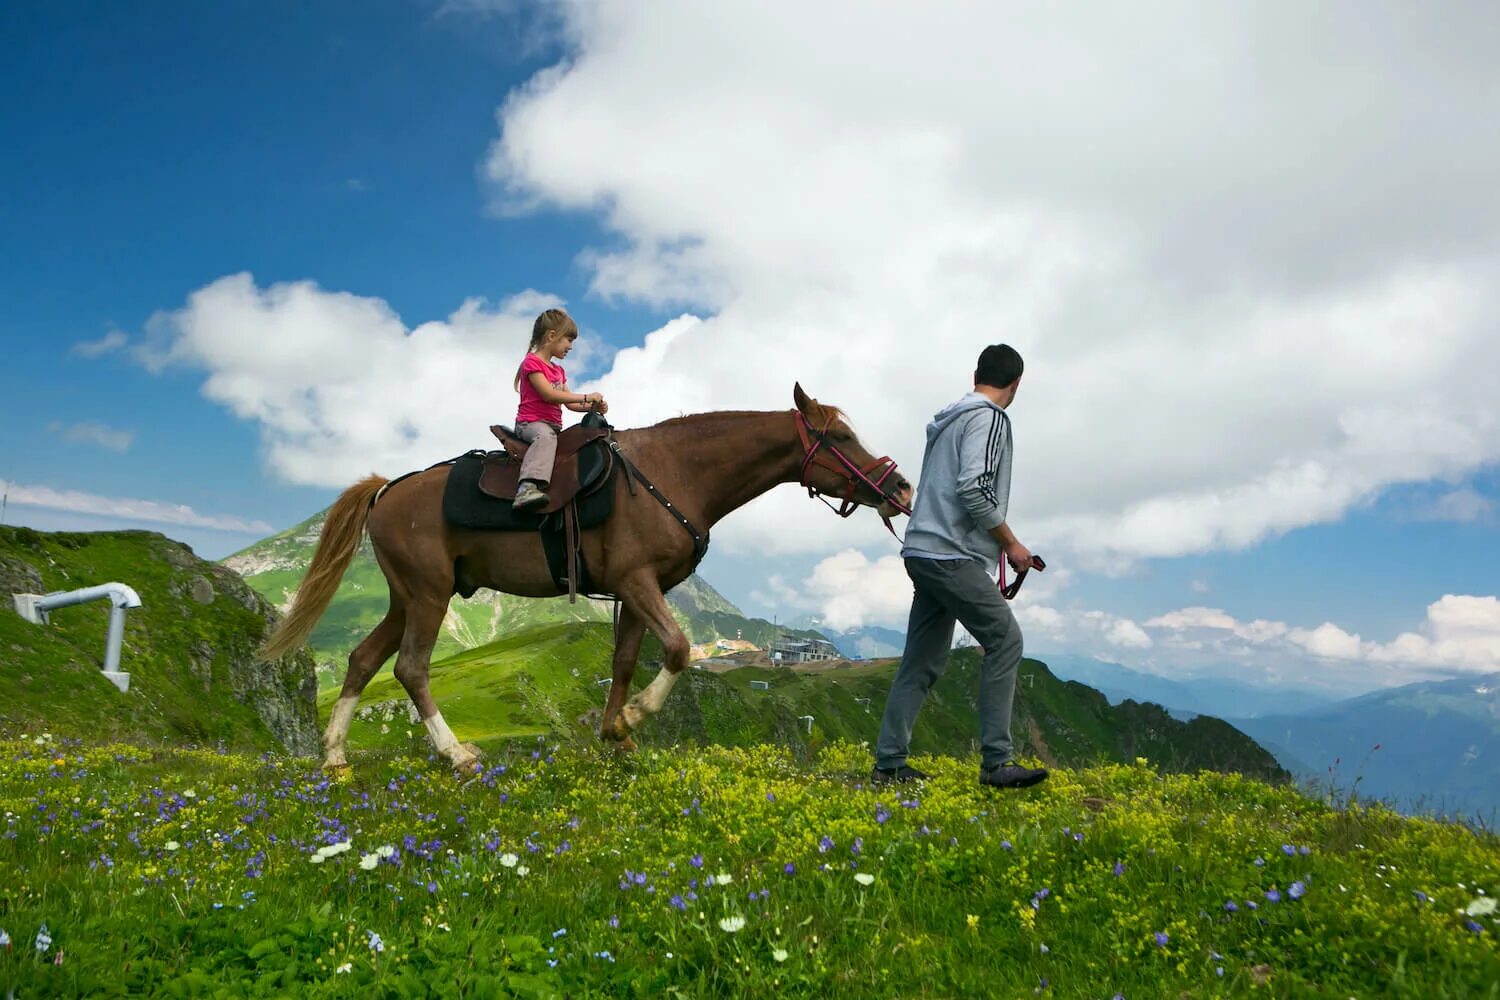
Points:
x=34, y=608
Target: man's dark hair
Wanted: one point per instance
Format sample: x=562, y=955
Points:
x=999, y=366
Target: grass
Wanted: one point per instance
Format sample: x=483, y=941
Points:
x=718, y=872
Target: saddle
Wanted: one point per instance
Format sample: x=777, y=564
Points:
x=582, y=465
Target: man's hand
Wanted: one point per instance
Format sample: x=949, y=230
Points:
x=1018, y=555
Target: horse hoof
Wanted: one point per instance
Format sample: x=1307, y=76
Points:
x=625, y=746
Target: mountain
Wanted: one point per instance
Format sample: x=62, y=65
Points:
x=275, y=566
x=190, y=648
x=1427, y=747
x=868, y=642
x=552, y=681
x=1188, y=695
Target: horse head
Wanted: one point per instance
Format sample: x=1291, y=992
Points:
x=838, y=465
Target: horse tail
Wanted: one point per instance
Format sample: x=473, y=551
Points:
x=342, y=530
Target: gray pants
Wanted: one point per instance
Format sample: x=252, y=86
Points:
x=542, y=436
x=949, y=590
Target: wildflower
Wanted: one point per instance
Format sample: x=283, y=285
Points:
x=1161, y=939
x=696, y=861
x=344, y=969
x=857, y=846
x=171, y=845
x=1219, y=971
x=677, y=903
x=4, y=939
x=523, y=871
x=1005, y=845
x=43, y=939
x=1421, y=896
x=973, y=921
x=1119, y=868
x=1296, y=890
x=551, y=963
x=731, y=924
x=509, y=860
x=825, y=844
x=789, y=868
x=560, y=932
x=1273, y=896
x=188, y=793
x=1230, y=907
x=1259, y=862
x=613, y=921
x=1288, y=850
x=723, y=879
x=1473, y=926
x=1481, y=907
x=1304, y=850
x=864, y=878
x=376, y=945
x=882, y=814
x=1044, y=949
x=369, y=861
x=779, y=954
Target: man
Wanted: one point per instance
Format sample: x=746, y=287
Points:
x=954, y=541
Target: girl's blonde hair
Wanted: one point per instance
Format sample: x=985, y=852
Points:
x=553, y=320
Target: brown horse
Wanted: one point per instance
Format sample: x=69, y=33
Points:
x=707, y=465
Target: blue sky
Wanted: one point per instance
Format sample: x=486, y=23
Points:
x=410, y=153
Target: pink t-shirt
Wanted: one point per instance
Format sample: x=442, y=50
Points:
x=533, y=407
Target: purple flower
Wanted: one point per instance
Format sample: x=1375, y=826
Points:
x=614, y=921
x=789, y=868
x=1473, y=926
x=1272, y=896
x=1251, y=904
x=858, y=846
x=1288, y=850
x=696, y=861
x=1230, y=907
x=1119, y=868
x=1259, y=862
x=770, y=796
x=1421, y=896
x=825, y=844
x=1304, y=849
x=882, y=814
x=1005, y=845
x=1161, y=939
x=1296, y=890
x=677, y=903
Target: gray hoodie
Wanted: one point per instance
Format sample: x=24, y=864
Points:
x=965, y=484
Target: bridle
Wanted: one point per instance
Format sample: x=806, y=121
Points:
x=814, y=441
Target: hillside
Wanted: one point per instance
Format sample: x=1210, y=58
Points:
x=275, y=567
x=189, y=649
x=717, y=872
x=546, y=682
x=1438, y=745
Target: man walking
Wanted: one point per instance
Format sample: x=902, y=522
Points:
x=954, y=541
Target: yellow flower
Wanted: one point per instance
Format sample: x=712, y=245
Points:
x=973, y=922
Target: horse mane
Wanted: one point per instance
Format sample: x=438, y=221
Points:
x=832, y=412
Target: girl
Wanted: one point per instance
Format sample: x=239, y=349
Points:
x=544, y=392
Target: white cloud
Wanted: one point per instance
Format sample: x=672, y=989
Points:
x=93, y=433
x=110, y=342
x=123, y=508
x=1456, y=505
x=1206, y=365
x=1460, y=633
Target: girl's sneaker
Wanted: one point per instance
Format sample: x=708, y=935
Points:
x=528, y=496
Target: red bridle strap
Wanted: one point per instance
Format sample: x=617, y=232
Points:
x=853, y=475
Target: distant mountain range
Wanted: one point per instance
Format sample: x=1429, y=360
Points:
x=1427, y=747
x=1188, y=695
x=868, y=642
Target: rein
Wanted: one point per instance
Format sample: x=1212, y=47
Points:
x=815, y=439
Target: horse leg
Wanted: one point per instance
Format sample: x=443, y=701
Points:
x=627, y=649
x=643, y=596
x=367, y=659
x=423, y=620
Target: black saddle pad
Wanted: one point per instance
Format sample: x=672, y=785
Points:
x=465, y=506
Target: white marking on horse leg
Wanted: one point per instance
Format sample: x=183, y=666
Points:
x=649, y=701
x=338, y=730
x=445, y=743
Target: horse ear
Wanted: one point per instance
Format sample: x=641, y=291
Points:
x=804, y=403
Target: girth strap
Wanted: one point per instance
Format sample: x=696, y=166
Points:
x=700, y=541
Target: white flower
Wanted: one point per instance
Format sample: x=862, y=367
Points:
x=508, y=859
x=188, y=793
x=731, y=924
x=723, y=879
x=171, y=845
x=345, y=968
x=779, y=954
x=4, y=938
x=864, y=878
x=369, y=861
x=523, y=871
x=43, y=939
x=1481, y=907
x=329, y=850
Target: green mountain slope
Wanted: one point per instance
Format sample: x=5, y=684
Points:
x=189, y=649
x=275, y=566
x=546, y=682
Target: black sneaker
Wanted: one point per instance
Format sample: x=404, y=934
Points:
x=1012, y=775
x=896, y=775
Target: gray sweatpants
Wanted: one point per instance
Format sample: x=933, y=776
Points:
x=542, y=436
x=949, y=590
